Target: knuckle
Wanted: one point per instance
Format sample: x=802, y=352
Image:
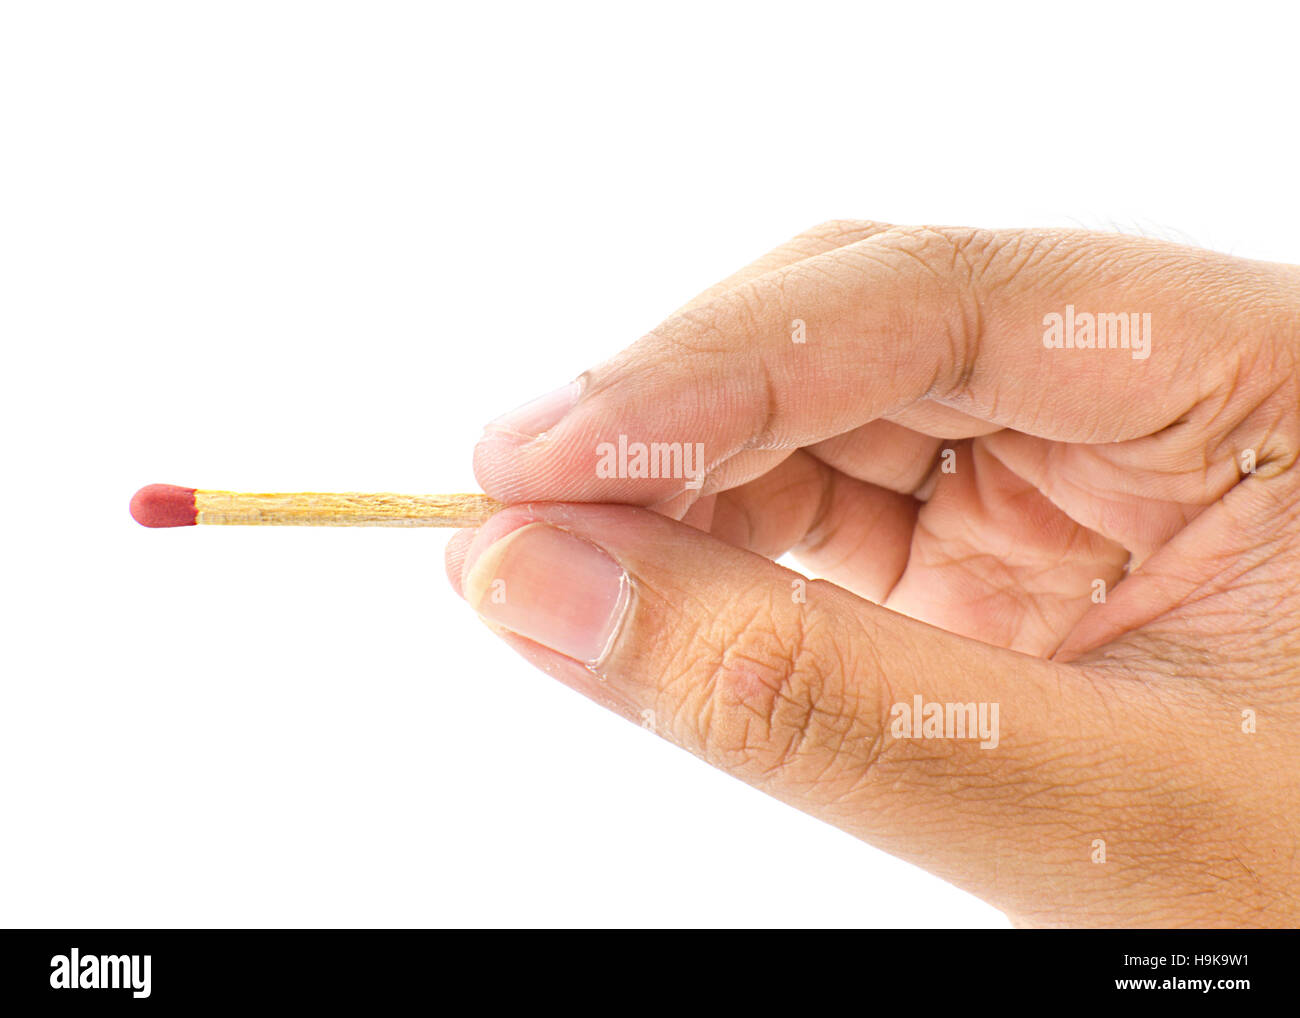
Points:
x=719, y=325
x=697, y=332
x=948, y=265
x=1017, y=263
x=840, y=230
x=778, y=699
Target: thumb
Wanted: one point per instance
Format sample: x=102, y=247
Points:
x=803, y=689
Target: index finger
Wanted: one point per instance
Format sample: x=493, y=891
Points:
x=989, y=323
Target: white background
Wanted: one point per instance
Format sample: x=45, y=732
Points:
x=281, y=246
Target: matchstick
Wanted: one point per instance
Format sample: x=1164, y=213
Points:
x=166, y=505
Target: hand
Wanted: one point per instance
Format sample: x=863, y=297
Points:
x=1098, y=550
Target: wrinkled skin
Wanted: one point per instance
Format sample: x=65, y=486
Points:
x=965, y=492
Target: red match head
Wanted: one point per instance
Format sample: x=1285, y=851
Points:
x=164, y=505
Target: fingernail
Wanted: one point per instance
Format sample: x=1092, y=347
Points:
x=540, y=415
x=552, y=588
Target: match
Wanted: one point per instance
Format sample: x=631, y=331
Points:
x=168, y=505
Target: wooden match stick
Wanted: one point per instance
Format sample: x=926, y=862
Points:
x=166, y=505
